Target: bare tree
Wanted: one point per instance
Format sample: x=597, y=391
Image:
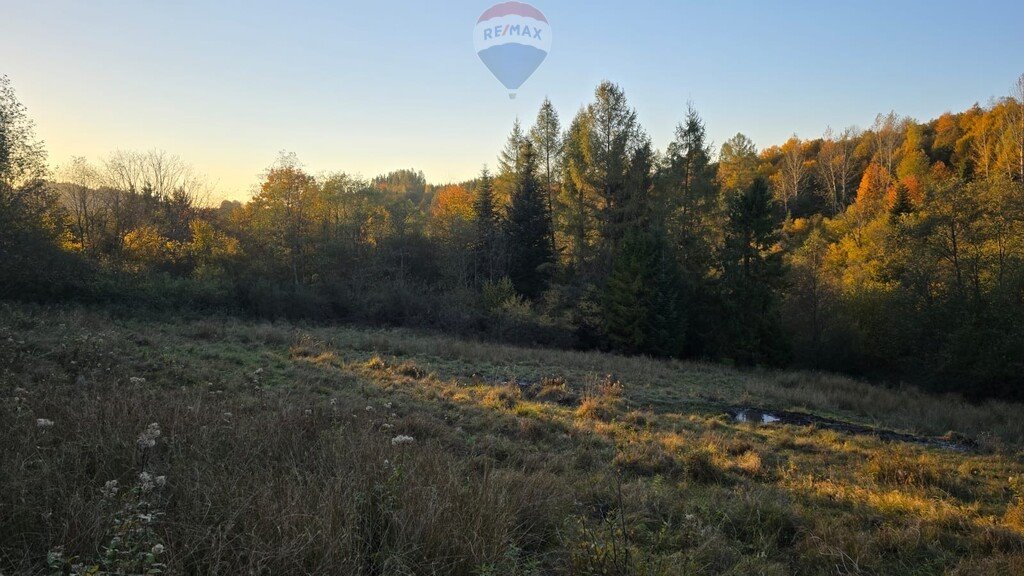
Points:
x=984, y=145
x=836, y=166
x=169, y=175
x=155, y=171
x=77, y=183
x=1017, y=123
x=791, y=173
x=887, y=132
x=124, y=170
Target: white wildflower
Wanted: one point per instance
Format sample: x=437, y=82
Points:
x=369, y=408
x=145, y=481
x=402, y=439
x=157, y=550
x=388, y=405
x=43, y=422
x=386, y=426
x=148, y=437
x=109, y=489
x=160, y=481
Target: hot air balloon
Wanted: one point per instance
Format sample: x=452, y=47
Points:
x=512, y=39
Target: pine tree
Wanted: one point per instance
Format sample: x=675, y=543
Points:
x=485, y=246
x=752, y=275
x=528, y=229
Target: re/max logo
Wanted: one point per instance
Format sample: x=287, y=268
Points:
x=511, y=30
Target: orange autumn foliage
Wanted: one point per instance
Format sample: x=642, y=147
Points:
x=874, y=187
x=451, y=208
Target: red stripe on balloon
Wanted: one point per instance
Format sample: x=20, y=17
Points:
x=512, y=9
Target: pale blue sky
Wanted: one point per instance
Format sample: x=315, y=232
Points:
x=366, y=87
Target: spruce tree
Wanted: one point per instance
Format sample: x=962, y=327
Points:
x=694, y=223
x=691, y=195
x=528, y=229
x=641, y=294
x=752, y=275
x=641, y=298
x=485, y=245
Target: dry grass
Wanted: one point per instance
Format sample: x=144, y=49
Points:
x=296, y=450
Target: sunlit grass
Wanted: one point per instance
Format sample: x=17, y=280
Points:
x=275, y=435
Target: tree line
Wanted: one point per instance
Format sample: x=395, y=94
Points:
x=895, y=251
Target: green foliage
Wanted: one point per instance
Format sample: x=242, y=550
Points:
x=641, y=304
x=486, y=243
x=918, y=276
x=528, y=229
x=752, y=274
x=498, y=293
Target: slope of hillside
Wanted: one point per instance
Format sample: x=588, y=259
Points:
x=224, y=447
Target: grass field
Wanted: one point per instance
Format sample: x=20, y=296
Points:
x=219, y=446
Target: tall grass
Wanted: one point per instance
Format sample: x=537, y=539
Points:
x=280, y=485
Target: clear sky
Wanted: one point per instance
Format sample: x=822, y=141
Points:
x=366, y=87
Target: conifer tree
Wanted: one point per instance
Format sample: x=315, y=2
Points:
x=509, y=165
x=643, y=287
x=752, y=274
x=641, y=300
x=485, y=246
x=576, y=216
x=694, y=222
x=546, y=136
x=614, y=137
x=528, y=229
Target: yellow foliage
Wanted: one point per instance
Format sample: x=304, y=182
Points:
x=146, y=247
x=451, y=210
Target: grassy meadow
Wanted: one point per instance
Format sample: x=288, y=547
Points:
x=221, y=446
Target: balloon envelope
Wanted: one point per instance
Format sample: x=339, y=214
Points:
x=512, y=39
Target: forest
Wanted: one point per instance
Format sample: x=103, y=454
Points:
x=894, y=252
